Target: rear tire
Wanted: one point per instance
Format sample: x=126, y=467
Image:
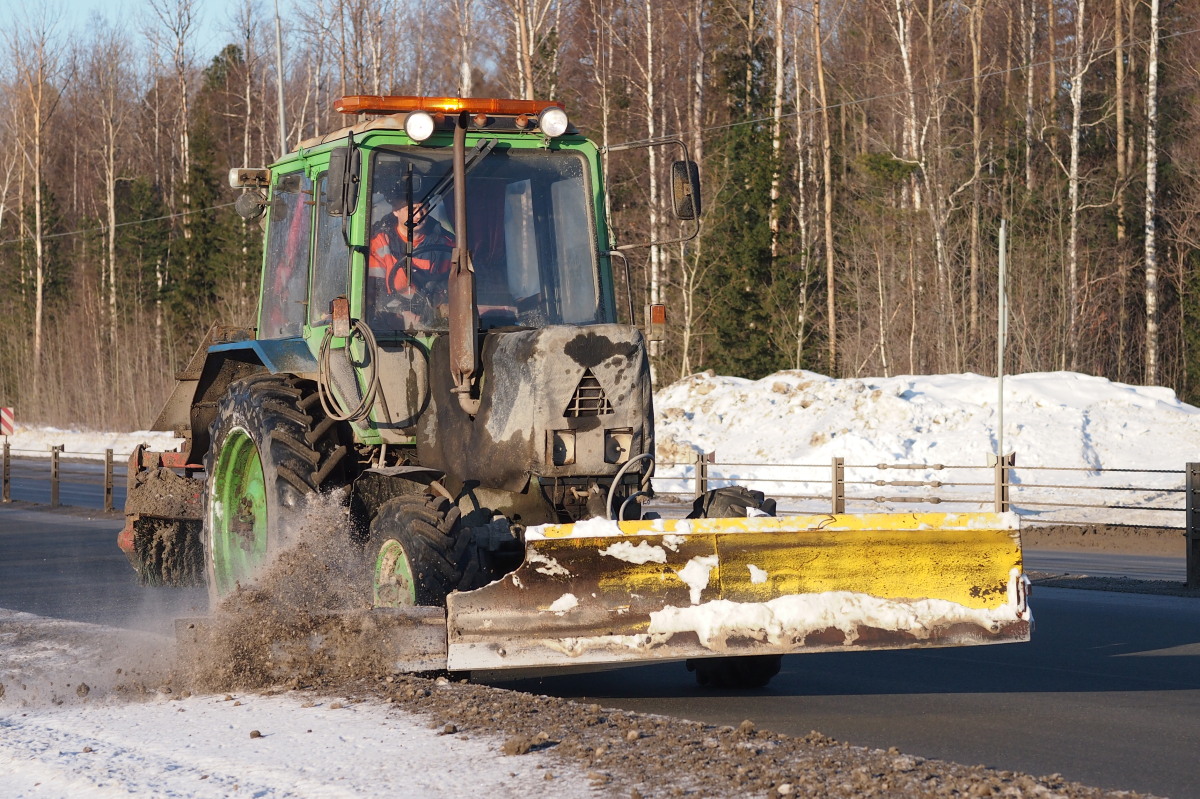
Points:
x=271, y=449
x=746, y=671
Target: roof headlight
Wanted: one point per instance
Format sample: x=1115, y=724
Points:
x=418, y=125
x=553, y=121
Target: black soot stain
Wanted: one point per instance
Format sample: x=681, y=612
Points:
x=589, y=350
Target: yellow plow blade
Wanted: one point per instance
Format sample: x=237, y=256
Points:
x=603, y=592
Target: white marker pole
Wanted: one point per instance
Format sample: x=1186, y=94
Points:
x=1001, y=335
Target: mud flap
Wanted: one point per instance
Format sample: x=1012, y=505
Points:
x=602, y=592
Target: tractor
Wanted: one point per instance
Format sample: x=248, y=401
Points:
x=439, y=340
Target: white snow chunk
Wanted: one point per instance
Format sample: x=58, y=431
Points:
x=757, y=575
x=696, y=574
x=642, y=553
x=787, y=620
x=546, y=564
x=563, y=604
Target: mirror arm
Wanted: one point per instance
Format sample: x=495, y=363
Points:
x=687, y=155
x=628, y=281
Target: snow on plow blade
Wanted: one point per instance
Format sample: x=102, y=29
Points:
x=602, y=592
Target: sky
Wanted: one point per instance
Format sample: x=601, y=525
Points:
x=214, y=17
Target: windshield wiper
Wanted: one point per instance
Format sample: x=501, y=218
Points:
x=474, y=159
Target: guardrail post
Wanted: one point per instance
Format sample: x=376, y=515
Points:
x=54, y=475
x=5, y=492
x=108, y=480
x=1192, y=516
x=839, y=485
x=702, y=461
x=1000, y=479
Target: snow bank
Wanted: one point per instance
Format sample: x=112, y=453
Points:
x=88, y=444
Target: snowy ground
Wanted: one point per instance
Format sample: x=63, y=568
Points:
x=84, y=711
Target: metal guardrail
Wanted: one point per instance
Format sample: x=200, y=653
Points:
x=841, y=484
x=1007, y=490
x=58, y=471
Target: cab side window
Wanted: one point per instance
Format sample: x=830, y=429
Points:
x=330, y=258
x=285, y=276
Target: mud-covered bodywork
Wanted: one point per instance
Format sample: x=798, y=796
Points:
x=557, y=402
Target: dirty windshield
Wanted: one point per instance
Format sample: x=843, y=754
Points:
x=529, y=231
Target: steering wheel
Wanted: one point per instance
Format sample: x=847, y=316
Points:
x=421, y=251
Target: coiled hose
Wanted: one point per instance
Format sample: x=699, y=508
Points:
x=329, y=401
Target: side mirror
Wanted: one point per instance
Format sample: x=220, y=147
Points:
x=344, y=171
x=685, y=189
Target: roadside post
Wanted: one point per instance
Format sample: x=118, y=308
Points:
x=108, y=480
x=1192, y=523
x=703, y=459
x=54, y=453
x=6, y=430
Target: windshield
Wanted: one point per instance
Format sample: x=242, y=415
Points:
x=529, y=230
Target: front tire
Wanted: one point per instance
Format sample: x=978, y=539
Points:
x=271, y=448
x=418, y=552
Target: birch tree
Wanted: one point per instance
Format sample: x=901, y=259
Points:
x=1151, y=254
x=35, y=52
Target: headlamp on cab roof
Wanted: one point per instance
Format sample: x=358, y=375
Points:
x=418, y=125
x=553, y=121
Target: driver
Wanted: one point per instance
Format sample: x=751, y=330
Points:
x=398, y=289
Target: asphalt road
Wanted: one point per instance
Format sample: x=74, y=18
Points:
x=1107, y=693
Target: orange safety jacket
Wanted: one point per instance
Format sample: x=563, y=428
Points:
x=388, y=245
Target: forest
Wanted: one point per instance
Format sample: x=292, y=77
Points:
x=859, y=160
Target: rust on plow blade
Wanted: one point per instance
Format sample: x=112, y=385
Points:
x=603, y=592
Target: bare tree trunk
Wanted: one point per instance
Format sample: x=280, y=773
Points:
x=1151, y=198
x=690, y=269
x=1030, y=38
x=902, y=28
x=1077, y=73
x=1052, y=77
x=776, y=133
x=179, y=20
x=803, y=152
x=976, y=26
x=827, y=173
x=652, y=133
x=1122, y=179
x=34, y=53
x=464, y=15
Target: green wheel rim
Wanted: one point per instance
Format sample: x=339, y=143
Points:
x=393, y=584
x=239, y=512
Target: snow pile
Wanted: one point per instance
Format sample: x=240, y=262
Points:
x=1054, y=419
x=87, y=444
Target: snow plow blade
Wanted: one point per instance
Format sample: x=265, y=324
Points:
x=602, y=592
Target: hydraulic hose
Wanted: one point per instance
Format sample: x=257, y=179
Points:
x=329, y=401
x=612, y=489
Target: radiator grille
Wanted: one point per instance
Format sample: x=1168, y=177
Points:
x=588, y=399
